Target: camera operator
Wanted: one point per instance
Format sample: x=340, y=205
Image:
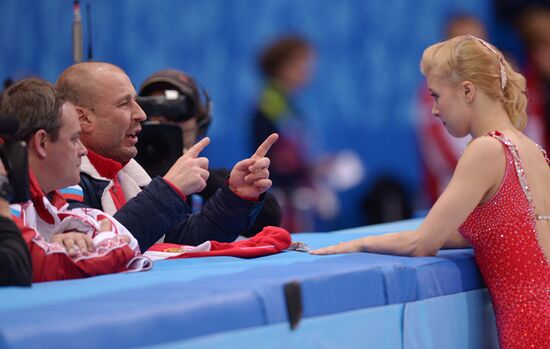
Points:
x=179, y=118
x=15, y=259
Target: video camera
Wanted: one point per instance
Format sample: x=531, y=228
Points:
x=160, y=143
x=14, y=156
x=173, y=106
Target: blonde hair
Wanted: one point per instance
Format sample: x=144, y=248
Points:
x=467, y=58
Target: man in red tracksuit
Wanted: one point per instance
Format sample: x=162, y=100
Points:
x=63, y=243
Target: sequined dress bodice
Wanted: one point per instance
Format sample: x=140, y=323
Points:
x=503, y=233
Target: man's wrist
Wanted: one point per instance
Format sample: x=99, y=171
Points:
x=244, y=197
x=179, y=192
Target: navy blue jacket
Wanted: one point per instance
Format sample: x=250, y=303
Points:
x=158, y=210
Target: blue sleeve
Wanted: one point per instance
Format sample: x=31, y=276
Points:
x=153, y=212
x=223, y=218
x=158, y=210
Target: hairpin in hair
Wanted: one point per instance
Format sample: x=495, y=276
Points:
x=503, y=77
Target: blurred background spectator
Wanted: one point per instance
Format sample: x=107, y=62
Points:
x=301, y=175
x=287, y=65
x=534, y=27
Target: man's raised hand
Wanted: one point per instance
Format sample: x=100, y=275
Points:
x=190, y=172
x=250, y=177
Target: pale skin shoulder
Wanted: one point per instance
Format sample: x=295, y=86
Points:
x=477, y=177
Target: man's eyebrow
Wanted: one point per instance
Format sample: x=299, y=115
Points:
x=125, y=98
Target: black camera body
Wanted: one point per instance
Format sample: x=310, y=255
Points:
x=175, y=109
x=160, y=145
x=161, y=142
x=14, y=156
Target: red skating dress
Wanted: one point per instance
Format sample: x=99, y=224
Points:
x=503, y=234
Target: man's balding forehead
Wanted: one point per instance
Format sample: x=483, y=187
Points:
x=93, y=66
x=79, y=82
x=85, y=70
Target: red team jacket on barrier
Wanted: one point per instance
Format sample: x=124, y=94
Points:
x=270, y=240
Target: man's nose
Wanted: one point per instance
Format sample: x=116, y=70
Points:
x=82, y=150
x=138, y=113
x=435, y=112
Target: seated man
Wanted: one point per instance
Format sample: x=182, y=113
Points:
x=112, y=180
x=54, y=234
x=192, y=115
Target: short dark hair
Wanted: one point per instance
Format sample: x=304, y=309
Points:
x=36, y=105
x=280, y=51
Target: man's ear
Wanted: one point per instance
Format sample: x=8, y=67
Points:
x=38, y=143
x=85, y=118
x=468, y=90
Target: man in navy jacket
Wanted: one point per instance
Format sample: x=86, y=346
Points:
x=111, y=180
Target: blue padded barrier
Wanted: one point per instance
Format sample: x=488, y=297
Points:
x=457, y=321
x=378, y=327
x=189, y=298
x=463, y=320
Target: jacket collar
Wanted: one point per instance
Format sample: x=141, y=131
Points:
x=106, y=167
x=132, y=169
x=39, y=199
